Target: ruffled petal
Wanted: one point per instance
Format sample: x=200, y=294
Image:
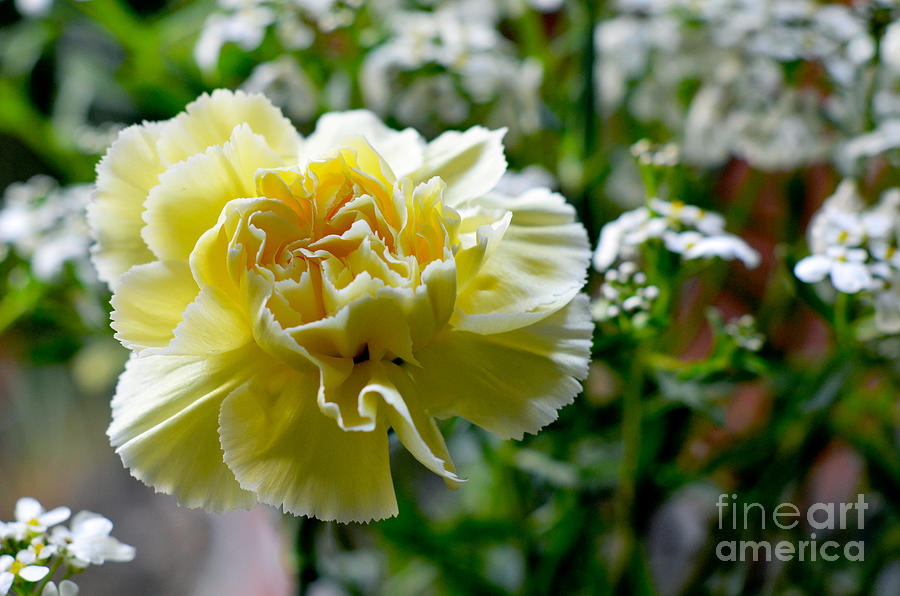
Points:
x=190, y=196
x=149, y=303
x=381, y=388
x=402, y=149
x=281, y=447
x=165, y=424
x=408, y=417
x=508, y=383
x=211, y=324
x=125, y=175
x=537, y=267
x=470, y=162
x=210, y=119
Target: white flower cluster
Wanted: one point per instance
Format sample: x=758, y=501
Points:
x=286, y=84
x=45, y=223
x=35, y=546
x=743, y=331
x=734, y=53
x=435, y=62
x=245, y=23
x=624, y=291
x=683, y=229
x=856, y=249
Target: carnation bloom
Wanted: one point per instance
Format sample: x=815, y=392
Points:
x=288, y=300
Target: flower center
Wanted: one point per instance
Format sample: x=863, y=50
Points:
x=340, y=229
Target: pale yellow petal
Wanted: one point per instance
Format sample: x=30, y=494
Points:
x=470, y=162
x=508, y=383
x=401, y=149
x=375, y=325
x=408, y=417
x=434, y=301
x=210, y=119
x=149, y=302
x=538, y=265
x=281, y=447
x=165, y=424
x=382, y=388
x=213, y=323
x=125, y=175
x=190, y=196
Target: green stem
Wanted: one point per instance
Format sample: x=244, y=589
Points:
x=40, y=588
x=631, y=439
x=306, y=555
x=842, y=332
x=649, y=178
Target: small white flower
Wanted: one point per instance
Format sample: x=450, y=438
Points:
x=743, y=331
x=32, y=518
x=846, y=267
x=685, y=229
x=41, y=550
x=613, y=234
x=704, y=221
x=89, y=542
x=624, y=290
x=21, y=566
x=723, y=246
x=632, y=303
x=855, y=247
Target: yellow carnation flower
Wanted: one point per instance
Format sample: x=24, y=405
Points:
x=288, y=300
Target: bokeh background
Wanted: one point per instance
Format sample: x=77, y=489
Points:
x=770, y=103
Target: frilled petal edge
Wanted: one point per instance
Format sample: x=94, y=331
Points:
x=508, y=383
x=280, y=446
x=165, y=424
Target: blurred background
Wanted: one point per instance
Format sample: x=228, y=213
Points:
x=766, y=106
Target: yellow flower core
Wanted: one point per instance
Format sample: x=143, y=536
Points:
x=350, y=223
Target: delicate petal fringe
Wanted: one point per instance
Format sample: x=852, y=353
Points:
x=165, y=424
x=281, y=447
x=508, y=383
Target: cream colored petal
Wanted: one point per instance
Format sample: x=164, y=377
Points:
x=534, y=207
x=383, y=389
x=210, y=119
x=401, y=149
x=434, y=301
x=213, y=323
x=149, y=302
x=190, y=196
x=508, y=383
x=538, y=265
x=281, y=447
x=374, y=324
x=408, y=417
x=165, y=424
x=470, y=162
x=125, y=175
